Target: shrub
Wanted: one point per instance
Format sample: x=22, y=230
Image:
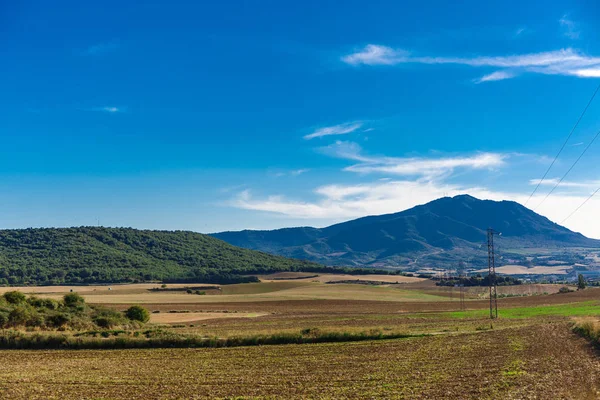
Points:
x=137, y=313
x=3, y=320
x=105, y=322
x=36, y=320
x=35, y=301
x=564, y=289
x=57, y=320
x=19, y=316
x=73, y=300
x=189, y=291
x=14, y=297
x=107, y=318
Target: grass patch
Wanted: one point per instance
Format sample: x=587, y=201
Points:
x=514, y=369
x=587, y=308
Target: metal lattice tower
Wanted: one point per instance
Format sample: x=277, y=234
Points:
x=492, y=274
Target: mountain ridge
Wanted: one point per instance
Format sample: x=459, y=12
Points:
x=453, y=225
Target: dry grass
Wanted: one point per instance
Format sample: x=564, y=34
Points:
x=255, y=292
x=324, y=278
x=116, y=289
x=174, y=318
x=536, y=270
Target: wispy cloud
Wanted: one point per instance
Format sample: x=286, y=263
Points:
x=373, y=54
x=424, y=167
x=560, y=62
x=566, y=184
x=569, y=27
x=496, y=76
x=341, y=129
x=294, y=172
x=520, y=31
x=101, y=48
x=298, y=172
x=109, y=109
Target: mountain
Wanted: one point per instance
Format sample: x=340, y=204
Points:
x=439, y=232
x=91, y=255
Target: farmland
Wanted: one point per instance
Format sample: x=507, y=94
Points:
x=440, y=350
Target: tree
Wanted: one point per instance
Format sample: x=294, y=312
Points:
x=580, y=282
x=137, y=313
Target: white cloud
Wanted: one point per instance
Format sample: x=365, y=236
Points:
x=297, y=172
x=496, y=76
x=346, y=150
x=427, y=168
x=374, y=54
x=570, y=28
x=566, y=184
x=588, y=72
x=294, y=172
x=341, y=202
x=341, y=129
x=560, y=62
x=109, y=109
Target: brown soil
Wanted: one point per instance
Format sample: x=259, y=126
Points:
x=541, y=361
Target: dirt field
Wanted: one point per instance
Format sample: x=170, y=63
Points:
x=253, y=292
x=541, y=361
x=529, y=352
x=338, y=277
x=175, y=318
x=537, y=270
x=97, y=289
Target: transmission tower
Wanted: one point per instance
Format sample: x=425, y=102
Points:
x=492, y=273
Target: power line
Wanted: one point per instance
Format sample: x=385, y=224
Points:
x=569, y=170
x=581, y=205
x=564, y=144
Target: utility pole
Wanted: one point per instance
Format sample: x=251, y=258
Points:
x=492, y=273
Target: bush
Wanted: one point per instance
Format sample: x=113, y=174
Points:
x=108, y=318
x=19, y=316
x=3, y=320
x=73, y=300
x=36, y=320
x=105, y=322
x=137, y=313
x=564, y=289
x=14, y=297
x=57, y=320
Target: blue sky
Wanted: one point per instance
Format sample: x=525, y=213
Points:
x=211, y=116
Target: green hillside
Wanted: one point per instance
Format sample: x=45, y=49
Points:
x=97, y=255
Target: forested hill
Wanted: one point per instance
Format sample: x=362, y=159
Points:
x=96, y=255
